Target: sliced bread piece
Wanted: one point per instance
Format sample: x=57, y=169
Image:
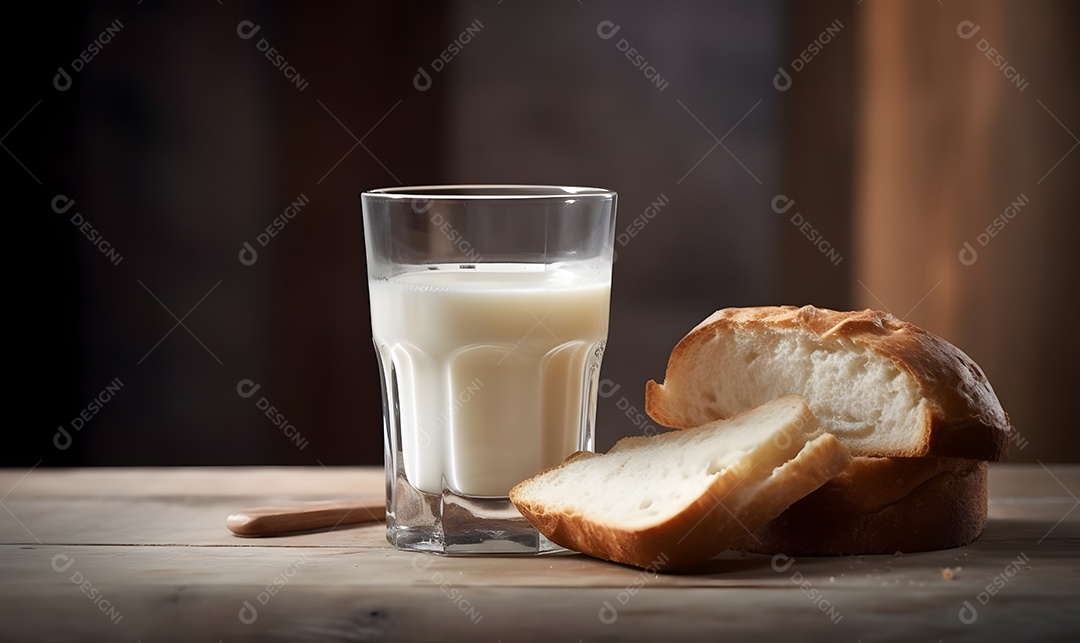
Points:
x=670, y=501
x=883, y=386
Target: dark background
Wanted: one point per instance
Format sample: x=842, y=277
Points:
x=179, y=141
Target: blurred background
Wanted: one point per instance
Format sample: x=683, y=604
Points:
x=184, y=181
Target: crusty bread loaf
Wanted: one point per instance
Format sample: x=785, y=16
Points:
x=883, y=386
x=673, y=500
x=882, y=506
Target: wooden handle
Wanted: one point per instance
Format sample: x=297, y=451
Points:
x=274, y=521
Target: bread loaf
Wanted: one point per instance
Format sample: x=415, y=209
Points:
x=883, y=386
x=882, y=506
x=670, y=501
x=918, y=414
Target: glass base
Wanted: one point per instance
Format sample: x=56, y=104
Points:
x=453, y=524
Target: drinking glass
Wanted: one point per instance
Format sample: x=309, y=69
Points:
x=489, y=311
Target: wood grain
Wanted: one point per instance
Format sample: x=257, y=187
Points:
x=165, y=563
x=945, y=144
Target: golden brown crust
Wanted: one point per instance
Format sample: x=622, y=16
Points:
x=882, y=506
x=707, y=526
x=964, y=418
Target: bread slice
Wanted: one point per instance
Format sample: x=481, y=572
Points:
x=883, y=386
x=882, y=506
x=670, y=501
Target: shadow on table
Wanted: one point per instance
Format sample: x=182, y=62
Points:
x=1003, y=538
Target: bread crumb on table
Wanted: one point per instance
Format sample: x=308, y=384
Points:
x=948, y=573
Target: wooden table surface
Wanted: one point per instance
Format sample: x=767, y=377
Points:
x=143, y=555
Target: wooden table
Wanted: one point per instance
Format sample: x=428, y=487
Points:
x=143, y=554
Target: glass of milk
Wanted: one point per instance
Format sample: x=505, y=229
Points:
x=489, y=310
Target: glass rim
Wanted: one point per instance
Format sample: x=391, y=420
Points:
x=486, y=191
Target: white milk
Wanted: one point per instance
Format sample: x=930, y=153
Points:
x=490, y=366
